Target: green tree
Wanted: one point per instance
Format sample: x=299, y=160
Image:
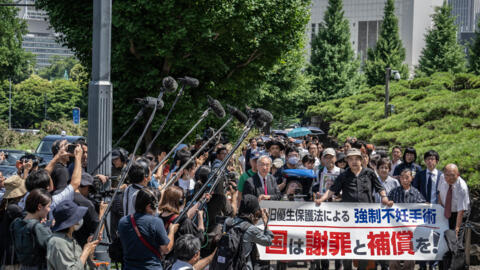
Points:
x=388, y=52
x=474, y=52
x=29, y=96
x=224, y=44
x=79, y=74
x=442, y=53
x=286, y=83
x=14, y=61
x=333, y=62
x=57, y=69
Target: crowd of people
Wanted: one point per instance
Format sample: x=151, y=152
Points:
x=48, y=215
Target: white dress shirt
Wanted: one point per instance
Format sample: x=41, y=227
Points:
x=460, y=198
x=433, y=191
x=263, y=183
x=398, y=162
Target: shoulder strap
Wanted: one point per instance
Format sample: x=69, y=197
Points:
x=144, y=242
x=170, y=220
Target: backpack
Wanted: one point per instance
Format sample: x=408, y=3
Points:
x=27, y=249
x=7, y=253
x=228, y=255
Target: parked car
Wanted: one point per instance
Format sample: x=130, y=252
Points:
x=44, y=148
x=7, y=166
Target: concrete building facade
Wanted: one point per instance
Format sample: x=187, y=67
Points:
x=466, y=14
x=41, y=38
x=365, y=17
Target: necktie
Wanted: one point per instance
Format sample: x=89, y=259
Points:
x=429, y=187
x=265, y=185
x=448, y=203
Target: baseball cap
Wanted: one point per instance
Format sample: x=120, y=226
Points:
x=254, y=154
x=354, y=152
x=87, y=180
x=329, y=151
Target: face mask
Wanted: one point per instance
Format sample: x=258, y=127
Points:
x=78, y=225
x=293, y=160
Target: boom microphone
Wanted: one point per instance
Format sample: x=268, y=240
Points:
x=262, y=117
x=216, y=107
x=150, y=102
x=169, y=84
x=189, y=81
x=239, y=115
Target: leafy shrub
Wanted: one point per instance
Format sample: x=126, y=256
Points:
x=431, y=116
x=420, y=82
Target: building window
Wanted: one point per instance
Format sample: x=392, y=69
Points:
x=314, y=32
x=368, y=32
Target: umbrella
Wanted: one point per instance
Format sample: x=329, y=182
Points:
x=299, y=132
x=316, y=130
x=304, y=173
x=280, y=132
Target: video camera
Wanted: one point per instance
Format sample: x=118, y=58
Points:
x=100, y=191
x=230, y=178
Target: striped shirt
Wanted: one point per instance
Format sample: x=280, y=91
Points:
x=400, y=195
x=389, y=184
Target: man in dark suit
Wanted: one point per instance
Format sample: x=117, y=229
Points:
x=426, y=181
x=263, y=185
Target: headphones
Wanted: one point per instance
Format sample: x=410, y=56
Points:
x=56, y=146
x=122, y=153
x=145, y=164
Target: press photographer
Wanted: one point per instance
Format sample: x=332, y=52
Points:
x=91, y=217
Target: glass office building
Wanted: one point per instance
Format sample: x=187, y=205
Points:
x=41, y=39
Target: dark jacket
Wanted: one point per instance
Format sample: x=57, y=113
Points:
x=254, y=186
x=402, y=166
x=420, y=183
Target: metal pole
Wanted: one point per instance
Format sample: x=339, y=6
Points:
x=100, y=89
x=10, y=106
x=387, y=90
x=45, y=105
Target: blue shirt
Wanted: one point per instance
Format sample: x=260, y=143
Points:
x=153, y=183
x=135, y=254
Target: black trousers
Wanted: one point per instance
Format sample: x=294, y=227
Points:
x=452, y=221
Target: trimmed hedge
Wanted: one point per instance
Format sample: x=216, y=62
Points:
x=440, y=112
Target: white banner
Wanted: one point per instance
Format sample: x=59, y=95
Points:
x=304, y=231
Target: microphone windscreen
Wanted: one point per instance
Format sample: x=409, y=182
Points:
x=169, y=84
x=262, y=117
x=239, y=115
x=192, y=82
x=216, y=107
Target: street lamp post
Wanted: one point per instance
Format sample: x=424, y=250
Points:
x=396, y=75
x=387, y=89
x=100, y=89
x=10, y=106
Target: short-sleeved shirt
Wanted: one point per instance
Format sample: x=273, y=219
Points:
x=129, y=198
x=357, y=188
x=60, y=177
x=243, y=178
x=460, y=196
x=135, y=254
